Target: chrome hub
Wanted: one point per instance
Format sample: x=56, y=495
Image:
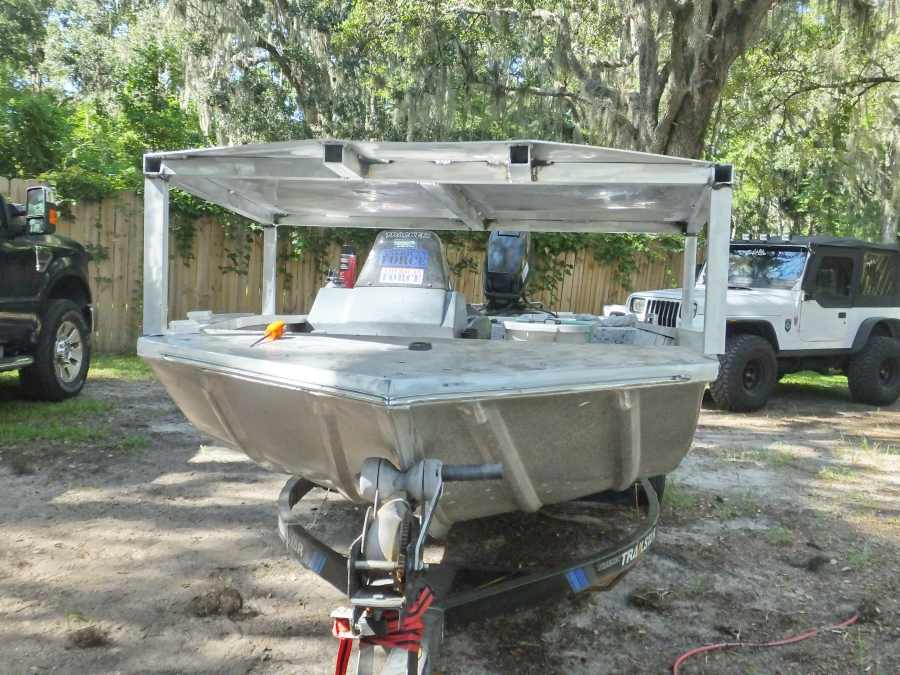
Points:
x=69, y=352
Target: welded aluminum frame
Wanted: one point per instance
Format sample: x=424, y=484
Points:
x=443, y=172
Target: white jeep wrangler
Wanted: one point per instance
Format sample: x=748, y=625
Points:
x=818, y=303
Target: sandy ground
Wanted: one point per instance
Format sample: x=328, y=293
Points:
x=776, y=522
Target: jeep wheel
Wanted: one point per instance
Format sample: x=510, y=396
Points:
x=748, y=372
x=873, y=374
x=62, y=355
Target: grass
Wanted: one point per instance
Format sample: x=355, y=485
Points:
x=36, y=433
x=680, y=502
x=809, y=378
x=835, y=473
x=119, y=367
x=860, y=557
x=770, y=456
x=700, y=584
x=676, y=498
x=29, y=421
x=105, y=367
x=737, y=506
x=131, y=442
x=779, y=536
x=877, y=448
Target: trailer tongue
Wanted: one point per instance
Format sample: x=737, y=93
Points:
x=397, y=392
x=401, y=604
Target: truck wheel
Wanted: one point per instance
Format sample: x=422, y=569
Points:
x=873, y=374
x=62, y=355
x=747, y=374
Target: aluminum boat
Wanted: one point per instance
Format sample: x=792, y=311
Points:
x=400, y=366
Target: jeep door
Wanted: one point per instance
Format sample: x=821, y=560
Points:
x=827, y=296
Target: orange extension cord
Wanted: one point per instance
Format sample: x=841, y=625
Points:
x=776, y=643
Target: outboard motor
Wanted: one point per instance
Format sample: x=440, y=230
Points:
x=506, y=269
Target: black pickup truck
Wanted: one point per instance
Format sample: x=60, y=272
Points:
x=46, y=315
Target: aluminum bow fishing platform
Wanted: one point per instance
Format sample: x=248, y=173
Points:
x=397, y=391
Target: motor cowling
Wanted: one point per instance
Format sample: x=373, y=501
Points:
x=507, y=269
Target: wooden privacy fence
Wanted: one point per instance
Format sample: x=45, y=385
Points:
x=112, y=231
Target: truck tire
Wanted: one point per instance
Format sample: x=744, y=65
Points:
x=62, y=355
x=873, y=375
x=748, y=372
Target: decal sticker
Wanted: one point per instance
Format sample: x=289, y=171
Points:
x=577, y=579
x=405, y=257
x=402, y=275
x=635, y=551
x=317, y=561
x=407, y=235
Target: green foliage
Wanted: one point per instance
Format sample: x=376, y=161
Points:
x=33, y=126
x=22, y=25
x=808, y=118
x=809, y=114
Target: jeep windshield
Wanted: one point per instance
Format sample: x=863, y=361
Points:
x=764, y=267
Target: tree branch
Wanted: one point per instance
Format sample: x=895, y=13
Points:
x=865, y=83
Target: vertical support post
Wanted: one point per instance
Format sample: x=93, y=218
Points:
x=688, y=280
x=270, y=253
x=156, y=255
x=718, y=243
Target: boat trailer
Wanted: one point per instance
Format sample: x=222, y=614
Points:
x=402, y=604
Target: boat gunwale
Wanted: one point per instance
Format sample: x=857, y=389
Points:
x=400, y=402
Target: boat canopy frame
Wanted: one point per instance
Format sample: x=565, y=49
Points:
x=471, y=186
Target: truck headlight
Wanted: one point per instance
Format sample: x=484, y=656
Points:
x=638, y=305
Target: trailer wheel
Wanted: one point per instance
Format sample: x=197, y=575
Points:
x=747, y=374
x=659, y=484
x=873, y=375
x=627, y=497
x=62, y=356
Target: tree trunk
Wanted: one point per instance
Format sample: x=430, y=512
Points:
x=707, y=37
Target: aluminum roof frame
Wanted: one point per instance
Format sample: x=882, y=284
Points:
x=445, y=186
x=475, y=186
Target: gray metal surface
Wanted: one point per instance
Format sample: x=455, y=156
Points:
x=15, y=362
x=270, y=259
x=482, y=185
x=156, y=256
x=413, y=312
x=565, y=420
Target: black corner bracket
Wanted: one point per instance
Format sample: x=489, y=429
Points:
x=520, y=154
x=152, y=165
x=723, y=175
x=334, y=152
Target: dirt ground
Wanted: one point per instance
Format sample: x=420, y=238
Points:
x=775, y=523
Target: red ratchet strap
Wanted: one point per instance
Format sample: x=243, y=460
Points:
x=775, y=643
x=405, y=633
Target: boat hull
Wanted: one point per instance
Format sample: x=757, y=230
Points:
x=554, y=446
